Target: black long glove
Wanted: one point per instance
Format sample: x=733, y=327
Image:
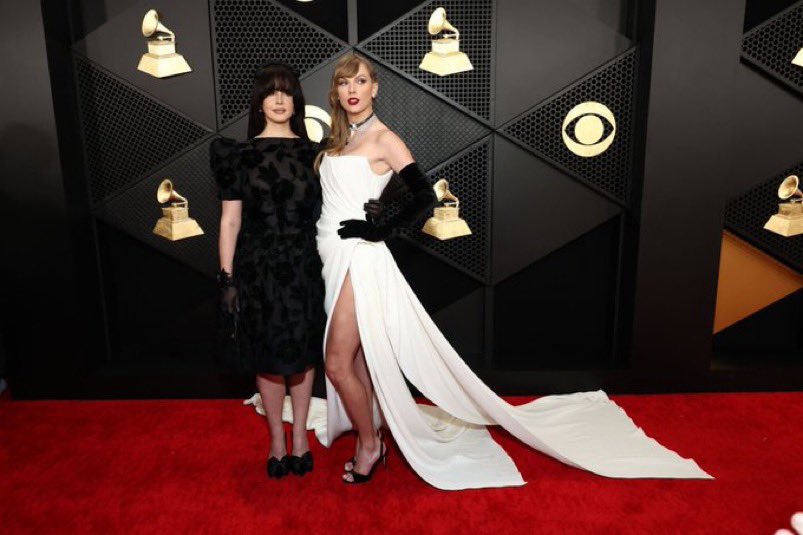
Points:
x=374, y=209
x=421, y=203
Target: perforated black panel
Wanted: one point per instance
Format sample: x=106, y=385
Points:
x=136, y=210
x=613, y=85
x=469, y=176
x=747, y=214
x=248, y=33
x=431, y=128
x=772, y=45
x=405, y=43
x=126, y=134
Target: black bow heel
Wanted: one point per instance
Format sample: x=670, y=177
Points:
x=278, y=468
x=301, y=465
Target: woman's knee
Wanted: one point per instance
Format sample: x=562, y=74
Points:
x=337, y=366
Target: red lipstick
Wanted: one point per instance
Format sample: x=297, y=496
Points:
x=352, y=101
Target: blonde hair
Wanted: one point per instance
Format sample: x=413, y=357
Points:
x=346, y=67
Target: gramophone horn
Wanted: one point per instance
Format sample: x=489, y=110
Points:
x=441, y=187
x=438, y=23
x=151, y=25
x=442, y=192
x=166, y=193
x=789, y=189
x=150, y=22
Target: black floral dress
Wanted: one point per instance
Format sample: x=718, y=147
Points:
x=277, y=269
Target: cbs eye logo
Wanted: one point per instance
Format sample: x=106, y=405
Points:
x=588, y=129
x=315, y=119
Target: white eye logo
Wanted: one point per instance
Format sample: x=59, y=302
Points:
x=315, y=119
x=588, y=129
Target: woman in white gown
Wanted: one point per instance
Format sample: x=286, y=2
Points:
x=378, y=333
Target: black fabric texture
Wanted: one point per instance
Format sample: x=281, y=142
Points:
x=277, y=324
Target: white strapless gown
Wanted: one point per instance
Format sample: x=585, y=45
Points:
x=448, y=445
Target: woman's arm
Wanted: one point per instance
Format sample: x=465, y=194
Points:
x=394, y=152
x=398, y=157
x=230, y=222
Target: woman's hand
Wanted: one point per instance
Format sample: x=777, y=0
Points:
x=229, y=303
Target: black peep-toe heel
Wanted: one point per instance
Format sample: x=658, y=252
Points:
x=359, y=479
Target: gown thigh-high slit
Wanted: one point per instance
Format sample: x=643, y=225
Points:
x=448, y=444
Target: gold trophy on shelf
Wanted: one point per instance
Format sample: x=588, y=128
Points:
x=175, y=223
x=789, y=219
x=161, y=60
x=446, y=222
x=445, y=57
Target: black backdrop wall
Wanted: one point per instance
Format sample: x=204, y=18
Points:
x=581, y=273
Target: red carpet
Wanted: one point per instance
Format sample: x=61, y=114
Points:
x=198, y=466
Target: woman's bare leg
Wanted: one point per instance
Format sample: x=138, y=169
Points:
x=300, y=395
x=361, y=369
x=272, y=389
x=342, y=345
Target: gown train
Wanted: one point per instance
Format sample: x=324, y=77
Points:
x=448, y=444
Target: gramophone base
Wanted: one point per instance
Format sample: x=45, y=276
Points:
x=162, y=66
x=446, y=230
x=785, y=225
x=177, y=230
x=445, y=64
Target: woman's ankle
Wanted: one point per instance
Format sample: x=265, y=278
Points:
x=278, y=444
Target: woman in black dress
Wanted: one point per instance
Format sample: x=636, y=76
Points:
x=270, y=274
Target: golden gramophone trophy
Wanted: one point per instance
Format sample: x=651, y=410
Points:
x=161, y=60
x=445, y=57
x=446, y=222
x=175, y=223
x=789, y=219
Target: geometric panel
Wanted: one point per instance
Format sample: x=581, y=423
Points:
x=469, y=176
x=117, y=45
x=373, y=16
x=772, y=45
x=437, y=131
x=247, y=34
x=559, y=312
x=537, y=209
x=463, y=324
x=555, y=27
x=136, y=210
x=126, y=134
x=539, y=130
x=759, y=11
x=331, y=15
x=405, y=43
x=747, y=214
x=749, y=281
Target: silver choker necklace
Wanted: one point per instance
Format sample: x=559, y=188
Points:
x=363, y=125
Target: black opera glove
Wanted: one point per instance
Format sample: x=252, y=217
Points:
x=368, y=231
x=374, y=209
x=421, y=203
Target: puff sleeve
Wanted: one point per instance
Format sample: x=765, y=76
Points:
x=224, y=159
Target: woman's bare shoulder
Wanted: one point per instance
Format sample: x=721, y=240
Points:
x=388, y=139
